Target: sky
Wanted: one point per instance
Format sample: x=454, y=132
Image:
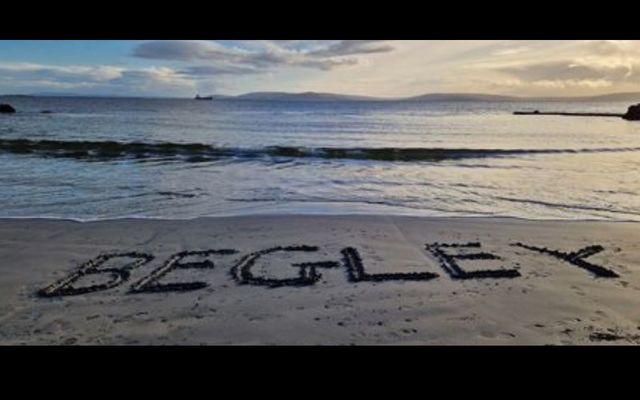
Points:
x=170, y=68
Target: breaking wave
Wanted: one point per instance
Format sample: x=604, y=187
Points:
x=197, y=152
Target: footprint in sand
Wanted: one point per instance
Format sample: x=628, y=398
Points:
x=498, y=335
x=70, y=341
x=578, y=291
x=601, y=313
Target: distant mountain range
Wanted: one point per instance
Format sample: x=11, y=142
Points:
x=630, y=97
x=439, y=97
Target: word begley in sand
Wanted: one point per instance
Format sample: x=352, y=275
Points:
x=244, y=273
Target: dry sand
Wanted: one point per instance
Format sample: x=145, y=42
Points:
x=552, y=301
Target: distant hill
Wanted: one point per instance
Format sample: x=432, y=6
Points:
x=453, y=97
x=630, y=97
x=460, y=97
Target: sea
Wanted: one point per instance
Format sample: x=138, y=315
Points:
x=97, y=158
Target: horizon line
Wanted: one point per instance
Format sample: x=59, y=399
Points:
x=352, y=97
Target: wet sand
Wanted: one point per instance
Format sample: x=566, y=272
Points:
x=319, y=280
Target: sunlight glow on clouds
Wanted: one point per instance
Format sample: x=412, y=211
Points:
x=361, y=67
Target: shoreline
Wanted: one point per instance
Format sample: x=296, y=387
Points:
x=319, y=279
x=134, y=218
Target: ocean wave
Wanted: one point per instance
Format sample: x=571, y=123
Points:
x=568, y=206
x=198, y=152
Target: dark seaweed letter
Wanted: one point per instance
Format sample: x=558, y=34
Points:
x=307, y=274
x=576, y=258
x=356, y=272
x=150, y=282
x=64, y=287
x=449, y=264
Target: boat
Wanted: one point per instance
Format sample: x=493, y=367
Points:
x=198, y=97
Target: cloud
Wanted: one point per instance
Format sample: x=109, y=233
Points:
x=575, y=74
x=66, y=72
x=564, y=70
x=150, y=80
x=559, y=67
x=181, y=50
x=610, y=47
x=214, y=70
x=93, y=79
x=551, y=84
x=259, y=56
x=352, y=47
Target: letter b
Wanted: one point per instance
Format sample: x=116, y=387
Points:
x=65, y=286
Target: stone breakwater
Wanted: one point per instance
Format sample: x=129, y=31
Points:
x=632, y=114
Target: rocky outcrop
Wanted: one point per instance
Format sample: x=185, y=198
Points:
x=633, y=113
x=6, y=109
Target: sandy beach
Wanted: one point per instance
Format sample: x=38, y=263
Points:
x=319, y=280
